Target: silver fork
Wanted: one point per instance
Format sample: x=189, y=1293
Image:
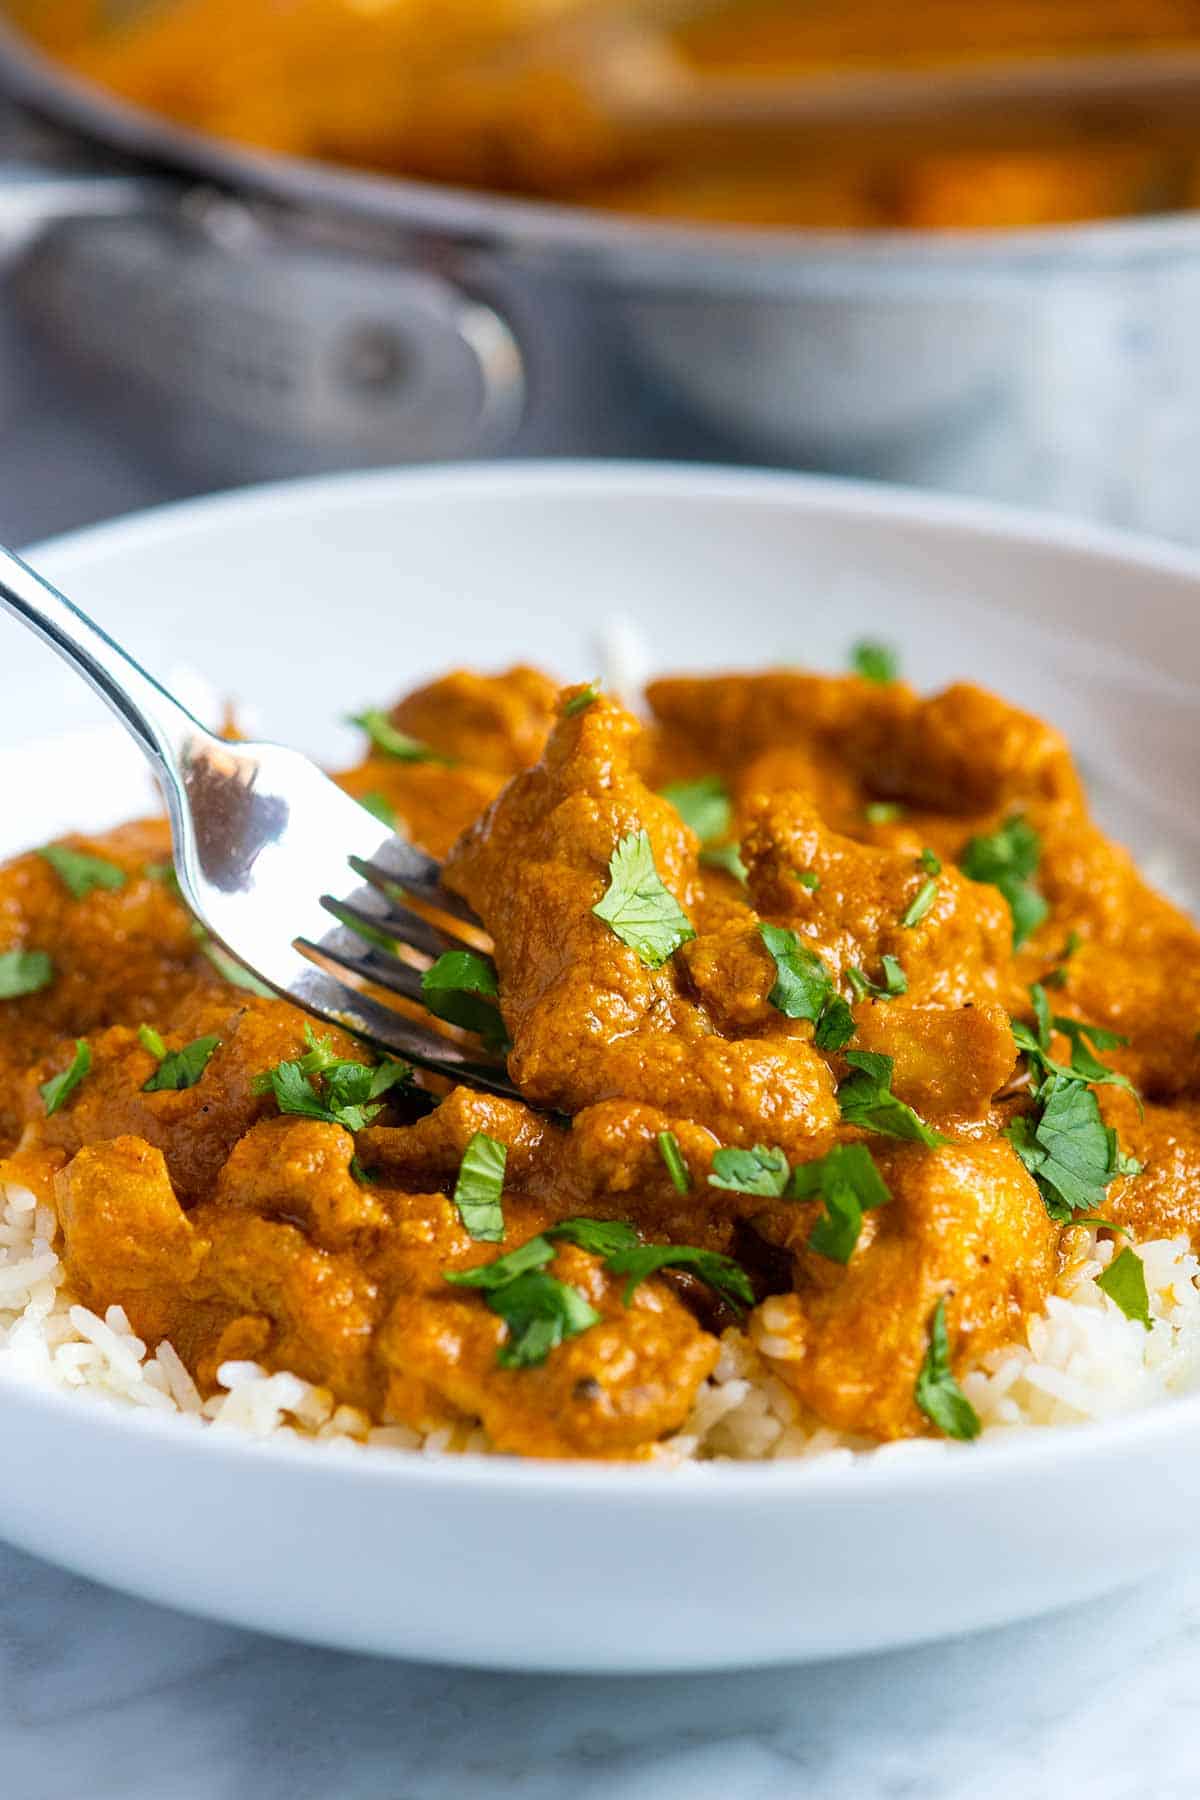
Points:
x=268, y=849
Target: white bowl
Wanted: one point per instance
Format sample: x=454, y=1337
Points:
x=312, y=599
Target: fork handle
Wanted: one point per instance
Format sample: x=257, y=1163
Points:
x=153, y=718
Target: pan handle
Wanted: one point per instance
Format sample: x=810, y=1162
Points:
x=273, y=348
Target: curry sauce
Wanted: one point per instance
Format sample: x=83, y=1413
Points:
x=830, y=1007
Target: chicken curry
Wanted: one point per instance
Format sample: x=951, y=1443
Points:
x=833, y=1013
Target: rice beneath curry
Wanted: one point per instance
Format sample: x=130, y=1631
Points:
x=1082, y=1361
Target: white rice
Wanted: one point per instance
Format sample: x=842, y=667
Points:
x=1082, y=1360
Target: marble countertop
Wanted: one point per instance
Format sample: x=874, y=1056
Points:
x=109, y=1699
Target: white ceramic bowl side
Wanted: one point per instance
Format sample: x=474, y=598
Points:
x=314, y=599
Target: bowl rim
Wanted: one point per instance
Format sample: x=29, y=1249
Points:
x=914, y=1468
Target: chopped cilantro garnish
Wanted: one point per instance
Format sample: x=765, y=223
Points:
x=808, y=878
x=937, y=1393
x=1085, y=1040
x=384, y=735
x=363, y=1176
x=874, y=661
x=727, y=857
x=758, y=1171
x=81, y=874
x=1124, y=1281
x=180, y=1069
x=59, y=1088
x=1008, y=858
x=672, y=1155
x=836, y=1026
x=850, y=1185
x=379, y=808
x=600, y=1237
x=703, y=805
x=643, y=913
x=150, y=1041
x=883, y=812
x=351, y=1093
x=895, y=981
x=720, y=1273
x=706, y=808
x=461, y=988
x=582, y=700
x=24, y=972
x=540, y=1312
x=867, y=1100
x=803, y=984
x=479, y=1187
x=534, y=1254
x=931, y=862
x=1067, y=1148
x=920, y=903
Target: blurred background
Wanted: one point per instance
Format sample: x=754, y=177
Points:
x=944, y=245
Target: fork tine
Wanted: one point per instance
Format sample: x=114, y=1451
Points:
x=389, y=1031
x=397, y=864
x=369, y=964
x=394, y=921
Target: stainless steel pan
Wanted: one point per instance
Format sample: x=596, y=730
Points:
x=289, y=315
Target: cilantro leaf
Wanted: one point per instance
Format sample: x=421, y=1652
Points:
x=1067, y=1148
x=803, y=984
x=643, y=913
x=895, y=981
x=808, y=878
x=379, y=808
x=703, y=805
x=461, y=988
x=582, y=700
x=534, y=1254
x=672, y=1155
x=600, y=1237
x=920, y=903
x=1124, y=1281
x=850, y=1185
x=836, y=1026
x=937, y=1393
x=867, y=1100
x=24, y=972
x=180, y=1069
x=81, y=874
x=540, y=1312
x=59, y=1088
x=351, y=1091
x=384, y=736
x=1008, y=858
x=706, y=808
x=727, y=857
x=1084, y=1039
x=758, y=1171
x=725, y=1277
x=874, y=661
x=480, y=1184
